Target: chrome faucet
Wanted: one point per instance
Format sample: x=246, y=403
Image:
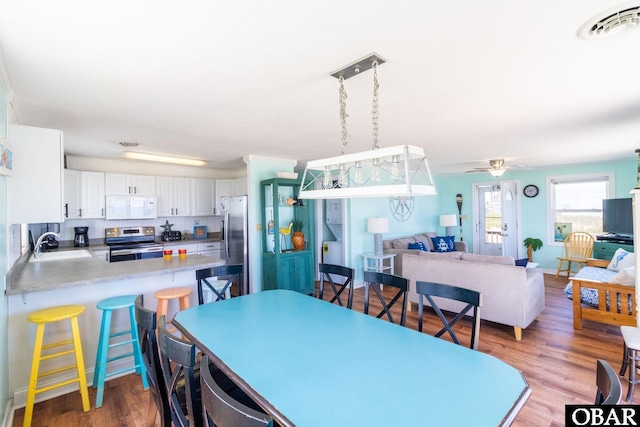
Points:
x=36, y=250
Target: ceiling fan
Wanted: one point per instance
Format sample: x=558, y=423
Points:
x=497, y=168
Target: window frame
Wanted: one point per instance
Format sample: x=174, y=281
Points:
x=551, y=183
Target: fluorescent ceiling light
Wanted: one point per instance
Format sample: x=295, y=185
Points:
x=164, y=159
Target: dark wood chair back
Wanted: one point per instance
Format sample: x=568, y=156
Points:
x=609, y=389
x=232, y=273
x=146, y=321
x=178, y=359
x=222, y=410
x=401, y=287
x=472, y=298
x=329, y=272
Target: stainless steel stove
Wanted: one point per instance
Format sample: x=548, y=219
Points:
x=132, y=243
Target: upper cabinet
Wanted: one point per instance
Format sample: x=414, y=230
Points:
x=35, y=193
x=203, y=197
x=229, y=187
x=118, y=184
x=83, y=194
x=72, y=194
x=93, y=192
x=174, y=196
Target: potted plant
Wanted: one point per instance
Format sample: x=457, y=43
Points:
x=297, y=237
x=532, y=244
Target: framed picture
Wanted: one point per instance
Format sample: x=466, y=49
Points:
x=561, y=230
x=6, y=159
x=200, y=232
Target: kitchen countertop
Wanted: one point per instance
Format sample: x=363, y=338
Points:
x=25, y=277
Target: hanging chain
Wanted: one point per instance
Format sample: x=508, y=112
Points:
x=374, y=112
x=342, y=96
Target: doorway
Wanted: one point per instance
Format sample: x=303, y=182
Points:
x=496, y=217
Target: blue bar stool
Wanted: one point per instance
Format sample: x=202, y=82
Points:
x=100, y=373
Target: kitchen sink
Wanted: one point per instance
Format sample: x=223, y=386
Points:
x=59, y=256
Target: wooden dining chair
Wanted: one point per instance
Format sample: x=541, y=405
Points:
x=578, y=246
x=401, y=285
x=219, y=287
x=178, y=362
x=146, y=321
x=219, y=409
x=473, y=300
x=609, y=389
x=339, y=278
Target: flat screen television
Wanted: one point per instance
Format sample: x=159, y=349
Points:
x=617, y=217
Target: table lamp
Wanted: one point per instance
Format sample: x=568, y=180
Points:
x=448, y=221
x=378, y=226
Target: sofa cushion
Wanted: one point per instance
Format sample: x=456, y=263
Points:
x=522, y=262
x=621, y=259
x=441, y=255
x=626, y=276
x=402, y=243
x=504, y=260
x=419, y=246
x=443, y=243
x=427, y=238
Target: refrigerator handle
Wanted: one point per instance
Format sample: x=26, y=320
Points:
x=226, y=234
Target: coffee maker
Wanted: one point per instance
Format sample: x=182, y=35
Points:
x=81, y=237
x=50, y=241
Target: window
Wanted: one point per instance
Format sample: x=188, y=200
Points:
x=575, y=204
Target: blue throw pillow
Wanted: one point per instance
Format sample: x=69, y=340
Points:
x=444, y=243
x=419, y=246
x=522, y=262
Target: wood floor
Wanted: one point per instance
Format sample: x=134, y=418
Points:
x=558, y=362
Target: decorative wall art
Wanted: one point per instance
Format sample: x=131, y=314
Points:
x=561, y=230
x=6, y=160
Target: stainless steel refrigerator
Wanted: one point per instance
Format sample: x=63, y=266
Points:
x=235, y=235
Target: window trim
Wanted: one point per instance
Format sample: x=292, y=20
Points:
x=551, y=193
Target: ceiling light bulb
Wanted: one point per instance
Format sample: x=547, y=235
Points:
x=357, y=174
x=375, y=173
x=327, y=181
x=342, y=176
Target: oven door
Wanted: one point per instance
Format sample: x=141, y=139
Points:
x=134, y=252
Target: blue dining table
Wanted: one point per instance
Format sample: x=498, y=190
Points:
x=307, y=362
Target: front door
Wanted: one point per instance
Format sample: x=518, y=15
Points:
x=496, y=212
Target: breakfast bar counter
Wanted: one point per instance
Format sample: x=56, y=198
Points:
x=28, y=277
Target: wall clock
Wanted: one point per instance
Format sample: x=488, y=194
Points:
x=530, y=190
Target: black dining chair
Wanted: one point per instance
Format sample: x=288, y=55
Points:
x=473, y=300
x=609, y=389
x=230, y=273
x=178, y=361
x=401, y=286
x=220, y=409
x=339, y=278
x=147, y=326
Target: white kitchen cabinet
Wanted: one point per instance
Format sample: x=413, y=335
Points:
x=174, y=196
x=228, y=188
x=72, y=194
x=36, y=185
x=211, y=249
x=203, y=200
x=93, y=192
x=119, y=184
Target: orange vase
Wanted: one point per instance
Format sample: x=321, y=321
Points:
x=297, y=239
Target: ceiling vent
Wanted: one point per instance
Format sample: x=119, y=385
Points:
x=129, y=144
x=612, y=22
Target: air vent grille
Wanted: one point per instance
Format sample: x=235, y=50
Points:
x=611, y=23
x=129, y=144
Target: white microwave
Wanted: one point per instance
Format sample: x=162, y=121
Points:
x=131, y=207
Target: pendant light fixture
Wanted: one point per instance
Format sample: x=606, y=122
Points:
x=398, y=171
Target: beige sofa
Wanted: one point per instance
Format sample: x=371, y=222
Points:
x=399, y=246
x=511, y=295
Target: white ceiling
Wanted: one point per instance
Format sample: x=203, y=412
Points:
x=467, y=80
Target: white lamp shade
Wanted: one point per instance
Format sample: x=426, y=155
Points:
x=378, y=225
x=496, y=172
x=448, y=220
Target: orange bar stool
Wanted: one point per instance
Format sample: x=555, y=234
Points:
x=180, y=293
x=102, y=356
x=50, y=315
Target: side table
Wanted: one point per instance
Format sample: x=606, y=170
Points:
x=377, y=263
